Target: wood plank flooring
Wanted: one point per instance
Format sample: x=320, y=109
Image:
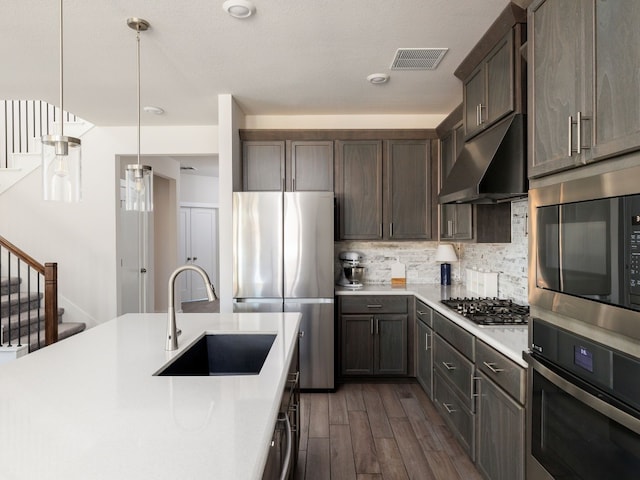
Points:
x=377, y=432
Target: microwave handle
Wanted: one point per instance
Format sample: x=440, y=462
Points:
x=581, y=395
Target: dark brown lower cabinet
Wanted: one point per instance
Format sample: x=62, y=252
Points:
x=500, y=433
x=424, y=355
x=374, y=344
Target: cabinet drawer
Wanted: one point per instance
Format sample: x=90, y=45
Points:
x=504, y=372
x=455, y=368
x=424, y=313
x=374, y=304
x=455, y=335
x=455, y=413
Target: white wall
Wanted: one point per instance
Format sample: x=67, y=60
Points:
x=81, y=237
x=197, y=189
x=343, y=121
x=230, y=121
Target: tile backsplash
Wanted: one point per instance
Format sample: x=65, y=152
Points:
x=508, y=259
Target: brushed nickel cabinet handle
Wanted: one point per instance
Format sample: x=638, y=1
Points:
x=374, y=305
x=371, y=324
x=491, y=366
x=449, y=366
x=570, y=144
x=377, y=326
x=448, y=408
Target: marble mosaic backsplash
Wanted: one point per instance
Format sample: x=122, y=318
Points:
x=508, y=259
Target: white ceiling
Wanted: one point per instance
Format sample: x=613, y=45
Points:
x=292, y=57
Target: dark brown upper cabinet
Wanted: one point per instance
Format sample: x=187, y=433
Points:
x=292, y=166
x=583, y=82
x=384, y=189
x=489, y=92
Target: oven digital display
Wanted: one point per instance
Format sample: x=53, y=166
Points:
x=583, y=358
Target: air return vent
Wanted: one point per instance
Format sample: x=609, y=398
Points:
x=418, y=58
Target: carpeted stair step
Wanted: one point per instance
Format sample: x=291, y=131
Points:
x=19, y=302
x=28, y=323
x=65, y=330
x=9, y=285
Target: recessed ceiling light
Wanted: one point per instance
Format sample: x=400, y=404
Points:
x=377, y=78
x=154, y=110
x=239, y=8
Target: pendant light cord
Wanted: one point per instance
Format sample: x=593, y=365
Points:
x=61, y=77
x=138, y=42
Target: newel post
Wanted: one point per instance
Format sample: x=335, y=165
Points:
x=50, y=303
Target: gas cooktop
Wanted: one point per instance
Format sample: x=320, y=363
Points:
x=489, y=311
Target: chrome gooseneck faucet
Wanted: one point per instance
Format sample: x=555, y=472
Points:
x=172, y=330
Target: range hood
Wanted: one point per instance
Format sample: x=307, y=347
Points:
x=491, y=167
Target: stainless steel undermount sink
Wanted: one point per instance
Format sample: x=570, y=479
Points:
x=222, y=354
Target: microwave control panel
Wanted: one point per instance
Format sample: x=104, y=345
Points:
x=633, y=249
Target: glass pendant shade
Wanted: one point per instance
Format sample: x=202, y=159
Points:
x=61, y=168
x=139, y=188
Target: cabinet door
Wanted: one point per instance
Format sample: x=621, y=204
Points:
x=424, y=372
x=474, y=101
x=357, y=344
x=499, y=73
x=359, y=189
x=311, y=166
x=455, y=220
x=500, y=433
x=617, y=117
x=263, y=167
x=390, y=354
x=408, y=205
x=560, y=79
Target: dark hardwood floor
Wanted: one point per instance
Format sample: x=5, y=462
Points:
x=377, y=432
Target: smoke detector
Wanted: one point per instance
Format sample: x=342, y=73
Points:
x=378, y=78
x=239, y=8
x=418, y=58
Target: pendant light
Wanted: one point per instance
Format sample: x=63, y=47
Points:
x=138, y=178
x=61, y=155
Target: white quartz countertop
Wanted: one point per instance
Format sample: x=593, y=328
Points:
x=509, y=340
x=89, y=407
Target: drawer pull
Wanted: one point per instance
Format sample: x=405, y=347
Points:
x=491, y=367
x=374, y=305
x=448, y=407
x=420, y=312
x=449, y=366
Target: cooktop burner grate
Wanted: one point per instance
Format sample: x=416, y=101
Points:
x=489, y=311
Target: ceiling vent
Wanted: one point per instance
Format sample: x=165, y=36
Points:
x=418, y=58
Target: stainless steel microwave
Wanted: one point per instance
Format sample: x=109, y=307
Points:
x=584, y=250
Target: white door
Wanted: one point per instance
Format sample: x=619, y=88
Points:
x=136, y=262
x=198, y=245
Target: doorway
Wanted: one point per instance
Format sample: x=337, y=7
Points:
x=198, y=233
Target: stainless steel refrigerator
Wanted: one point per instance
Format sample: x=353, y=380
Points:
x=283, y=261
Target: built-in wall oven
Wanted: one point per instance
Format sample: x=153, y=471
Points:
x=583, y=409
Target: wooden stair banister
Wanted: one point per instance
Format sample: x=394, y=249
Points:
x=50, y=273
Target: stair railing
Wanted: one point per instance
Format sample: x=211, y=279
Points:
x=23, y=122
x=46, y=277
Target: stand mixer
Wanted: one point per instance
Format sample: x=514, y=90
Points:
x=351, y=273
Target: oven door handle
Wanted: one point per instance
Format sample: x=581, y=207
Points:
x=609, y=411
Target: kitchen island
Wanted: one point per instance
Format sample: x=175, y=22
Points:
x=90, y=407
